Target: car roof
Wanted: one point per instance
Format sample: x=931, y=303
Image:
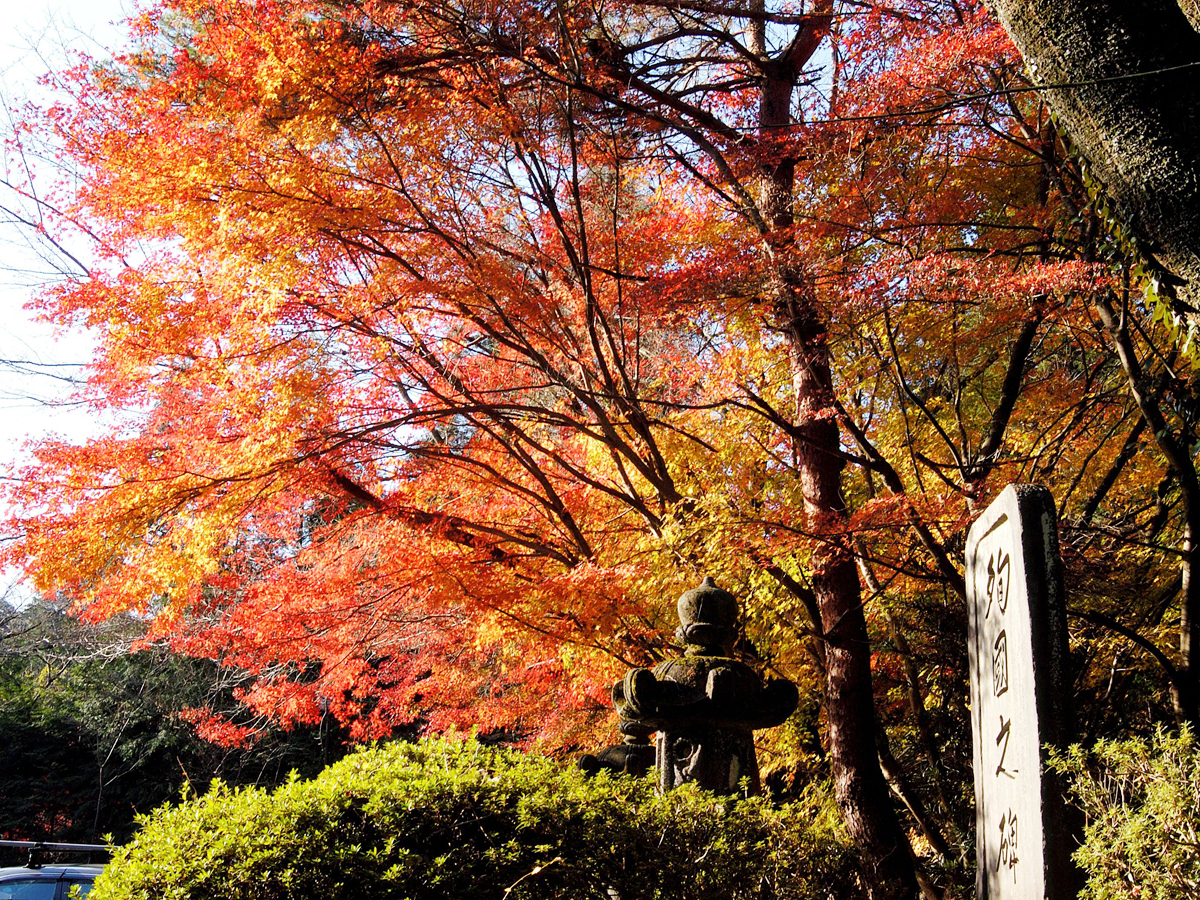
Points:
x=51, y=871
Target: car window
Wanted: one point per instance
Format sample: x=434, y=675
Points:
x=27, y=889
x=76, y=889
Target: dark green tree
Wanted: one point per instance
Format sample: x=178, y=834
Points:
x=94, y=734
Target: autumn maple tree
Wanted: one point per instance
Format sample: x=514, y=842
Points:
x=450, y=341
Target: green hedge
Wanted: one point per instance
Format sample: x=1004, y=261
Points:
x=455, y=819
x=1142, y=802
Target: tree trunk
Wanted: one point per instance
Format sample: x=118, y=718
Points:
x=861, y=790
x=1125, y=79
x=1177, y=451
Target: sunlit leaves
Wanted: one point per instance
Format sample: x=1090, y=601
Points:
x=442, y=339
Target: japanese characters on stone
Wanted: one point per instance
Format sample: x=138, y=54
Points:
x=1019, y=695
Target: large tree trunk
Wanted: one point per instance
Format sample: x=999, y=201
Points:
x=1125, y=79
x=861, y=790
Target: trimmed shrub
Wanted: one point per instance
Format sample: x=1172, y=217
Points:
x=1142, y=802
x=454, y=819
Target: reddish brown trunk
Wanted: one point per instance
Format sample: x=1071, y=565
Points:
x=862, y=793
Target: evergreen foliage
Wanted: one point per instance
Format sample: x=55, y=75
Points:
x=1142, y=801
x=92, y=733
x=454, y=818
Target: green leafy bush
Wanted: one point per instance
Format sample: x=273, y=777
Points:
x=1142, y=802
x=455, y=819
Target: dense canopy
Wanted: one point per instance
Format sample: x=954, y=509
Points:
x=451, y=340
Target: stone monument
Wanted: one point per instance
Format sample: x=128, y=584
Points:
x=1020, y=699
x=704, y=705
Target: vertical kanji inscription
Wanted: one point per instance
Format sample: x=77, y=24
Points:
x=1019, y=698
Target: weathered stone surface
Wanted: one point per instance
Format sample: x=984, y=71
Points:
x=704, y=705
x=1020, y=699
x=634, y=756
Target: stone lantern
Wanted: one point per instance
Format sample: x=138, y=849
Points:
x=704, y=705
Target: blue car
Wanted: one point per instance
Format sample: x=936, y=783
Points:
x=47, y=882
x=35, y=881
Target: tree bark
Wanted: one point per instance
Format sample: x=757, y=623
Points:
x=1123, y=80
x=861, y=790
x=859, y=785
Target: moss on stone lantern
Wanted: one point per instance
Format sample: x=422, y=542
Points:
x=705, y=705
